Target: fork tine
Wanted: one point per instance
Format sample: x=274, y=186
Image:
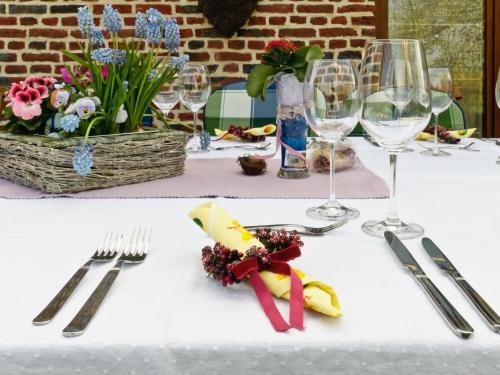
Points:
x=103, y=244
x=137, y=243
x=129, y=244
x=143, y=245
x=148, y=241
x=112, y=247
x=118, y=247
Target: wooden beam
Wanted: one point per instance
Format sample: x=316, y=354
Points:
x=382, y=19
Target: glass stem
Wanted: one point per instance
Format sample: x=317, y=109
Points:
x=332, y=201
x=436, y=115
x=392, y=215
x=195, y=130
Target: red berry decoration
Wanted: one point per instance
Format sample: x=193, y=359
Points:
x=442, y=134
x=240, y=133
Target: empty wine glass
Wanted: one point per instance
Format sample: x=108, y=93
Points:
x=167, y=98
x=441, y=99
x=332, y=106
x=396, y=107
x=497, y=90
x=194, y=93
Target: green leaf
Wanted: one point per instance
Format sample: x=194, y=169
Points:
x=314, y=53
x=75, y=57
x=257, y=79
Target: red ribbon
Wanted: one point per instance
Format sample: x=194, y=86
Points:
x=278, y=264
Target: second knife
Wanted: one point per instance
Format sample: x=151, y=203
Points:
x=443, y=262
x=456, y=321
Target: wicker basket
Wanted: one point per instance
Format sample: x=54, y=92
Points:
x=45, y=163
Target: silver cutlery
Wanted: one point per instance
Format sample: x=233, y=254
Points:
x=107, y=250
x=491, y=140
x=244, y=147
x=456, y=322
x=443, y=262
x=466, y=147
x=135, y=252
x=302, y=229
x=370, y=140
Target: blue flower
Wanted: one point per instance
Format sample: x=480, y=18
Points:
x=96, y=36
x=125, y=85
x=153, y=33
x=154, y=16
x=85, y=21
x=109, y=56
x=172, y=35
x=70, y=122
x=179, y=61
x=82, y=159
x=141, y=25
x=152, y=74
x=112, y=19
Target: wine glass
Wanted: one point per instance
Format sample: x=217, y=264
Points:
x=332, y=107
x=396, y=106
x=441, y=99
x=497, y=90
x=194, y=93
x=167, y=98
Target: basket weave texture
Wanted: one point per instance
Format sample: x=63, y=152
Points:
x=120, y=159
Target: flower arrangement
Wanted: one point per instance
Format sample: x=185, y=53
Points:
x=280, y=56
x=107, y=90
x=219, y=261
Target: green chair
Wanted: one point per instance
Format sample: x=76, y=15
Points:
x=231, y=105
x=453, y=118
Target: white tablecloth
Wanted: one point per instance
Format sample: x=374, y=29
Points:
x=165, y=317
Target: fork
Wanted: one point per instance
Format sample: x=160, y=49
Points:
x=244, y=147
x=302, y=229
x=106, y=251
x=136, y=251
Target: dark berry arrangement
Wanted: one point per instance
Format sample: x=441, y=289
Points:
x=219, y=260
x=239, y=132
x=442, y=134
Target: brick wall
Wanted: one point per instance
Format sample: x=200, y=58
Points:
x=33, y=32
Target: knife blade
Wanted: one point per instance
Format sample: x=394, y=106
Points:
x=456, y=321
x=479, y=303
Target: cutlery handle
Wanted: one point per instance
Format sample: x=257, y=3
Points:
x=60, y=299
x=456, y=321
x=88, y=310
x=489, y=314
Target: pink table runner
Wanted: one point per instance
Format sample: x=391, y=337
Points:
x=223, y=178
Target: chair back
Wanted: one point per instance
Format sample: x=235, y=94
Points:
x=231, y=105
x=453, y=118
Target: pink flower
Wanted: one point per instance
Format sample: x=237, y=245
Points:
x=104, y=71
x=35, y=96
x=44, y=91
x=66, y=76
x=26, y=111
x=14, y=89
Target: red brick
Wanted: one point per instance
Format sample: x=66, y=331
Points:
x=27, y=21
x=231, y=68
x=8, y=21
x=320, y=43
x=232, y=56
x=16, y=45
x=337, y=31
x=339, y=20
x=275, y=8
x=49, y=33
x=320, y=8
x=305, y=33
x=236, y=44
x=257, y=21
x=199, y=56
x=319, y=20
x=356, y=8
x=186, y=33
x=256, y=44
x=337, y=43
x=57, y=46
x=12, y=33
x=53, y=57
x=368, y=32
x=218, y=44
x=298, y=19
x=41, y=69
x=52, y=21
x=195, y=20
x=364, y=21
x=16, y=69
x=69, y=21
x=122, y=8
x=277, y=20
x=163, y=8
x=257, y=33
x=357, y=42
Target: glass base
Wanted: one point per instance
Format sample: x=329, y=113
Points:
x=290, y=173
x=402, y=230
x=196, y=150
x=332, y=213
x=435, y=152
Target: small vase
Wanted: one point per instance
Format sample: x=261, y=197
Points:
x=292, y=127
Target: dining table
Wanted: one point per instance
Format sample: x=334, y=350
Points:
x=165, y=316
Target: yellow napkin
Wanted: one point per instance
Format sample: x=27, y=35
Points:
x=263, y=130
x=219, y=225
x=457, y=134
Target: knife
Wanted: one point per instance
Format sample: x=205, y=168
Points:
x=443, y=262
x=456, y=322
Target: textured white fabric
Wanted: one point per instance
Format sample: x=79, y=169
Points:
x=166, y=317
